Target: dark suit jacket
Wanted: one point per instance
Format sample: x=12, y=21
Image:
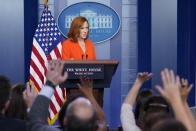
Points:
x=8, y=124
x=37, y=117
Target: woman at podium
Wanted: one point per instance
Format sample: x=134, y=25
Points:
x=78, y=47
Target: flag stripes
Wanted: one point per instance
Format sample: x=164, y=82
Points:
x=47, y=45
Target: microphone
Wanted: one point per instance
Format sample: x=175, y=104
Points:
x=82, y=56
x=86, y=56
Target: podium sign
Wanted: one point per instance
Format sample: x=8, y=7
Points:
x=90, y=71
x=101, y=71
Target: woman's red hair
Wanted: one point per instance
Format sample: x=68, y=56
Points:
x=74, y=30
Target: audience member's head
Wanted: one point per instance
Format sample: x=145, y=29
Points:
x=81, y=115
x=62, y=112
x=153, y=103
x=156, y=103
x=141, y=97
x=169, y=125
x=4, y=93
x=17, y=107
x=153, y=118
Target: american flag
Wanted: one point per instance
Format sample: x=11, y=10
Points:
x=47, y=45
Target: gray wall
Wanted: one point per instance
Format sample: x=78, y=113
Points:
x=164, y=37
x=129, y=46
x=12, y=39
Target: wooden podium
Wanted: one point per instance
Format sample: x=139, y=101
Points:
x=101, y=71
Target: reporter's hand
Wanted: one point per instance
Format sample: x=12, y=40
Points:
x=54, y=72
x=143, y=77
x=29, y=94
x=170, y=88
x=185, y=89
x=86, y=86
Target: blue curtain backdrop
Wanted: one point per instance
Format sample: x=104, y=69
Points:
x=186, y=26
x=30, y=25
x=186, y=43
x=144, y=38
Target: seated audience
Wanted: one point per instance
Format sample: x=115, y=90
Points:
x=17, y=107
x=21, y=100
x=168, y=125
x=8, y=124
x=85, y=87
x=139, y=104
x=154, y=104
x=81, y=115
x=62, y=112
x=150, y=120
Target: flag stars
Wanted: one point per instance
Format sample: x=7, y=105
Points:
x=47, y=33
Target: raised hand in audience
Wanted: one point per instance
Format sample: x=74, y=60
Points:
x=171, y=92
x=29, y=95
x=185, y=89
x=86, y=87
x=54, y=73
x=170, y=85
x=141, y=78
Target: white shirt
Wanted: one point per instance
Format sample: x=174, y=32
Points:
x=128, y=119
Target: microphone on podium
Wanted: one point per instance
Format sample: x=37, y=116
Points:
x=86, y=56
x=82, y=56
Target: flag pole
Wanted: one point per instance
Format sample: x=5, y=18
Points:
x=46, y=3
x=47, y=35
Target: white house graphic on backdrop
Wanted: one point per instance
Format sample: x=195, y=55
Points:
x=95, y=21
